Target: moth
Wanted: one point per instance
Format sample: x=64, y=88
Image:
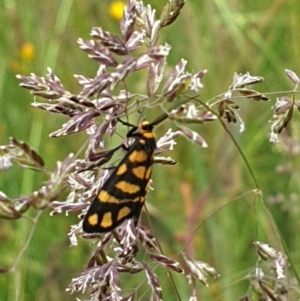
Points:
x=123, y=194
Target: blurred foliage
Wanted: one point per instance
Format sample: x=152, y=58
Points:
x=221, y=36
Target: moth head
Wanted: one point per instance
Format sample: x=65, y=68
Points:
x=145, y=127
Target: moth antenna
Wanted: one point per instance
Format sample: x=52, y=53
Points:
x=160, y=119
x=126, y=123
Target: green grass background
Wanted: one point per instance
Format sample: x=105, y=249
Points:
x=261, y=37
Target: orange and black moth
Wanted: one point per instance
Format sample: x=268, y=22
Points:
x=123, y=194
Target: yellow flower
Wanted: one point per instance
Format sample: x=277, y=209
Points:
x=27, y=52
x=116, y=9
